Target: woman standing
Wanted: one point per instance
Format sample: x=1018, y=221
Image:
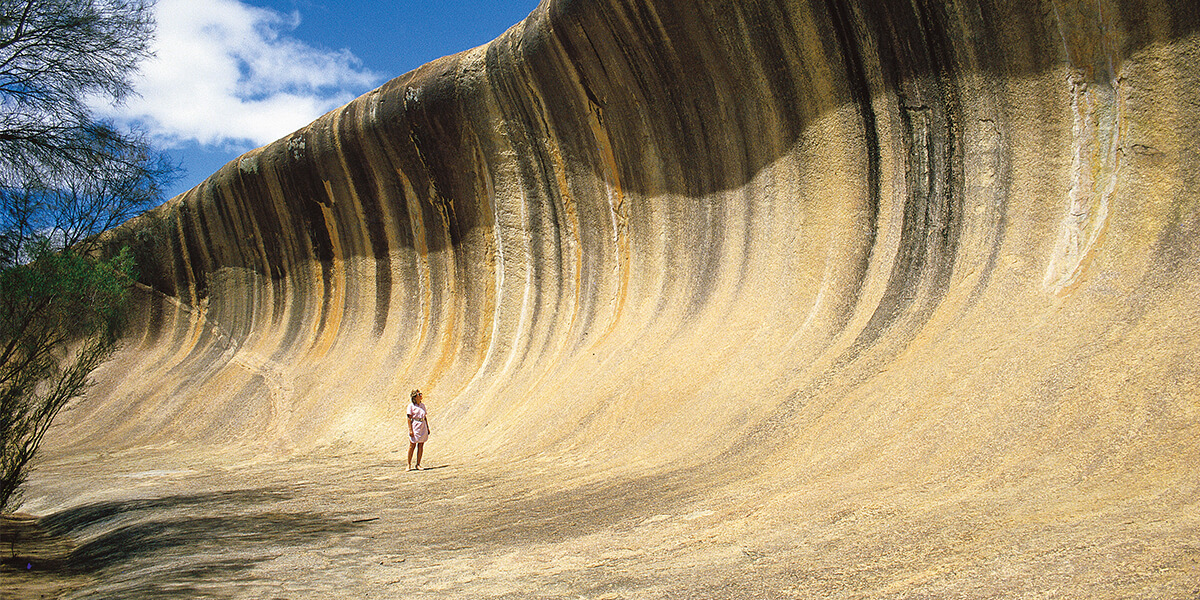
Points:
x=418, y=428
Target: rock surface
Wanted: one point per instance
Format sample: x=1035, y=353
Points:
x=717, y=298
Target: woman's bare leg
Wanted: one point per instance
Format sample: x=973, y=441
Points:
x=410, y=451
x=420, y=450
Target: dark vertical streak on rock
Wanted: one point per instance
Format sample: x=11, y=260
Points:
x=360, y=177
x=256, y=200
x=849, y=43
x=993, y=202
x=190, y=259
x=928, y=113
x=299, y=185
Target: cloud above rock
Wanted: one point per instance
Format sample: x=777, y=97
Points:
x=228, y=74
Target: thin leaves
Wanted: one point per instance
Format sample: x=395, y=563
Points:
x=54, y=56
x=60, y=316
x=64, y=177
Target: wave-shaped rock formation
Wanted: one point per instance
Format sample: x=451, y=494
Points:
x=809, y=261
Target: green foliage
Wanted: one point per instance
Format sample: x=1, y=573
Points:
x=60, y=317
x=65, y=176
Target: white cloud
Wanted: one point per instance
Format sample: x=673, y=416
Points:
x=225, y=73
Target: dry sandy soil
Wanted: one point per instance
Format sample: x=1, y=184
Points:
x=359, y=526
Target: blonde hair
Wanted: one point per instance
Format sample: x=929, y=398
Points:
x=413, y=395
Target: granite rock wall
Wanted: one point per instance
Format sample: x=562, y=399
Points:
x=880, y=240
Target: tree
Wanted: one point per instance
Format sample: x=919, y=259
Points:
x=55, y=57
x=65, y=176
x=61, y=326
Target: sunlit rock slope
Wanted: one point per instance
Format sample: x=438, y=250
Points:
x=871, y=247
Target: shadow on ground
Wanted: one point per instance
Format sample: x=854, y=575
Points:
x=181, y=546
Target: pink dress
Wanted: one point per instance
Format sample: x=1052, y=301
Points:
x=420, y=429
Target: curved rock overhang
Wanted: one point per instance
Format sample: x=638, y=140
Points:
x=879, y=242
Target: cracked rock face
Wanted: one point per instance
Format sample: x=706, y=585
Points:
x=914, y=254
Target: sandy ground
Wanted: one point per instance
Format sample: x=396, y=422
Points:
x=359, y=526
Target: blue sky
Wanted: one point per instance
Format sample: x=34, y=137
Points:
x=232, y=75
